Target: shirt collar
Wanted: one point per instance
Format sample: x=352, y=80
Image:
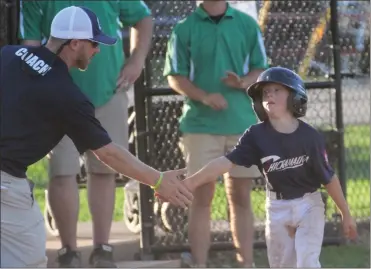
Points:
x=230, y=12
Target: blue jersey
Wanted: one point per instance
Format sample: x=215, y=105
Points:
x=39, y=105
x=293, y=164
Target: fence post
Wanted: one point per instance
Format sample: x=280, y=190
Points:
x=338, y=95
x=12, y=20
x=145, y=193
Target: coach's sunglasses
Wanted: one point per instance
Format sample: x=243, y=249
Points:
x=93, y=43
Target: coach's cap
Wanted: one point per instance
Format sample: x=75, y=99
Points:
x=79, y=23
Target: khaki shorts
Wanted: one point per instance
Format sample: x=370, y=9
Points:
x=200, y=149
x=64, y=158
x=23, y=234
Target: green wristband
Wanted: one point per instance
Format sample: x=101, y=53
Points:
x=158, y=183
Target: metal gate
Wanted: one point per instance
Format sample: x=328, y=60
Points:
x=294, y=35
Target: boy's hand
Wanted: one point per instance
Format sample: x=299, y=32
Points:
x=350, y=228
x=188, y=183
x=173, y=190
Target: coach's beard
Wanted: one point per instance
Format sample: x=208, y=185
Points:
x=82, y=64
x=83, y=69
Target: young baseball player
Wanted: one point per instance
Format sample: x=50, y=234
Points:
x=292, y=156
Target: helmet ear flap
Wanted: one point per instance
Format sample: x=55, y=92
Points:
x=296, y=105
x=259, y=109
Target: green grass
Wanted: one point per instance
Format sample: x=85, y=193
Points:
x=357, y=144
x=84, y=214
x=357, y=152
x=343, y=256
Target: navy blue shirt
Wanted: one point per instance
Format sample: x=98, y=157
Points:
x=39, y=105
x=293, y=164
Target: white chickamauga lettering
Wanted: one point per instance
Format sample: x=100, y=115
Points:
x=288, y=163
x=33, y=61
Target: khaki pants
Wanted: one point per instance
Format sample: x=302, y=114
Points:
x=200, y=149
x=23, y=235
x=64, y=158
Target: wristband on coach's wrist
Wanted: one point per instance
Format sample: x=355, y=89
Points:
x=158, y=183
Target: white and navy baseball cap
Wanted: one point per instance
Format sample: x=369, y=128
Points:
x=79, y=23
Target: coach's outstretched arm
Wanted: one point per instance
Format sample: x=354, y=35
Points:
x=167, y=184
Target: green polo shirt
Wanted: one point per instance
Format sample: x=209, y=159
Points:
x=203, y=51
x=98, y=82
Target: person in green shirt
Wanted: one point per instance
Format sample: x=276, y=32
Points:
x=212, y=56
x=105, y=83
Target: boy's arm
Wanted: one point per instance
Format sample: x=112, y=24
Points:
x=209, y=173
x=331, y=182
x=334, y=190
x=243, y=154
x=349, y=225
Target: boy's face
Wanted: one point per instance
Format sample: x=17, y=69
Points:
x=275, y=100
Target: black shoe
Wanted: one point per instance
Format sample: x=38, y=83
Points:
x=102, y=257
x=68, y=258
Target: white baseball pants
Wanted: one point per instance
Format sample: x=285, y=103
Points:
x=294, y=231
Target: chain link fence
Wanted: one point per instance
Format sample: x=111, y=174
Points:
x=354, y=34
x=8, y=22
x=297, y=35
x=3, y=23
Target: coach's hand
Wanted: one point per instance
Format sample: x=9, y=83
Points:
x=233, y=80
x=173, y=190
x=215, y=101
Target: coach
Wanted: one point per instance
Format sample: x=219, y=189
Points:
x=105, y=83
x=39, y=105
x=213, y=55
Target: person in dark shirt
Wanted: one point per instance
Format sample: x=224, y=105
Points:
x=292, y=156
x=39, y=105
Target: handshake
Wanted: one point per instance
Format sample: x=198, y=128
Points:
x=171, y=188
